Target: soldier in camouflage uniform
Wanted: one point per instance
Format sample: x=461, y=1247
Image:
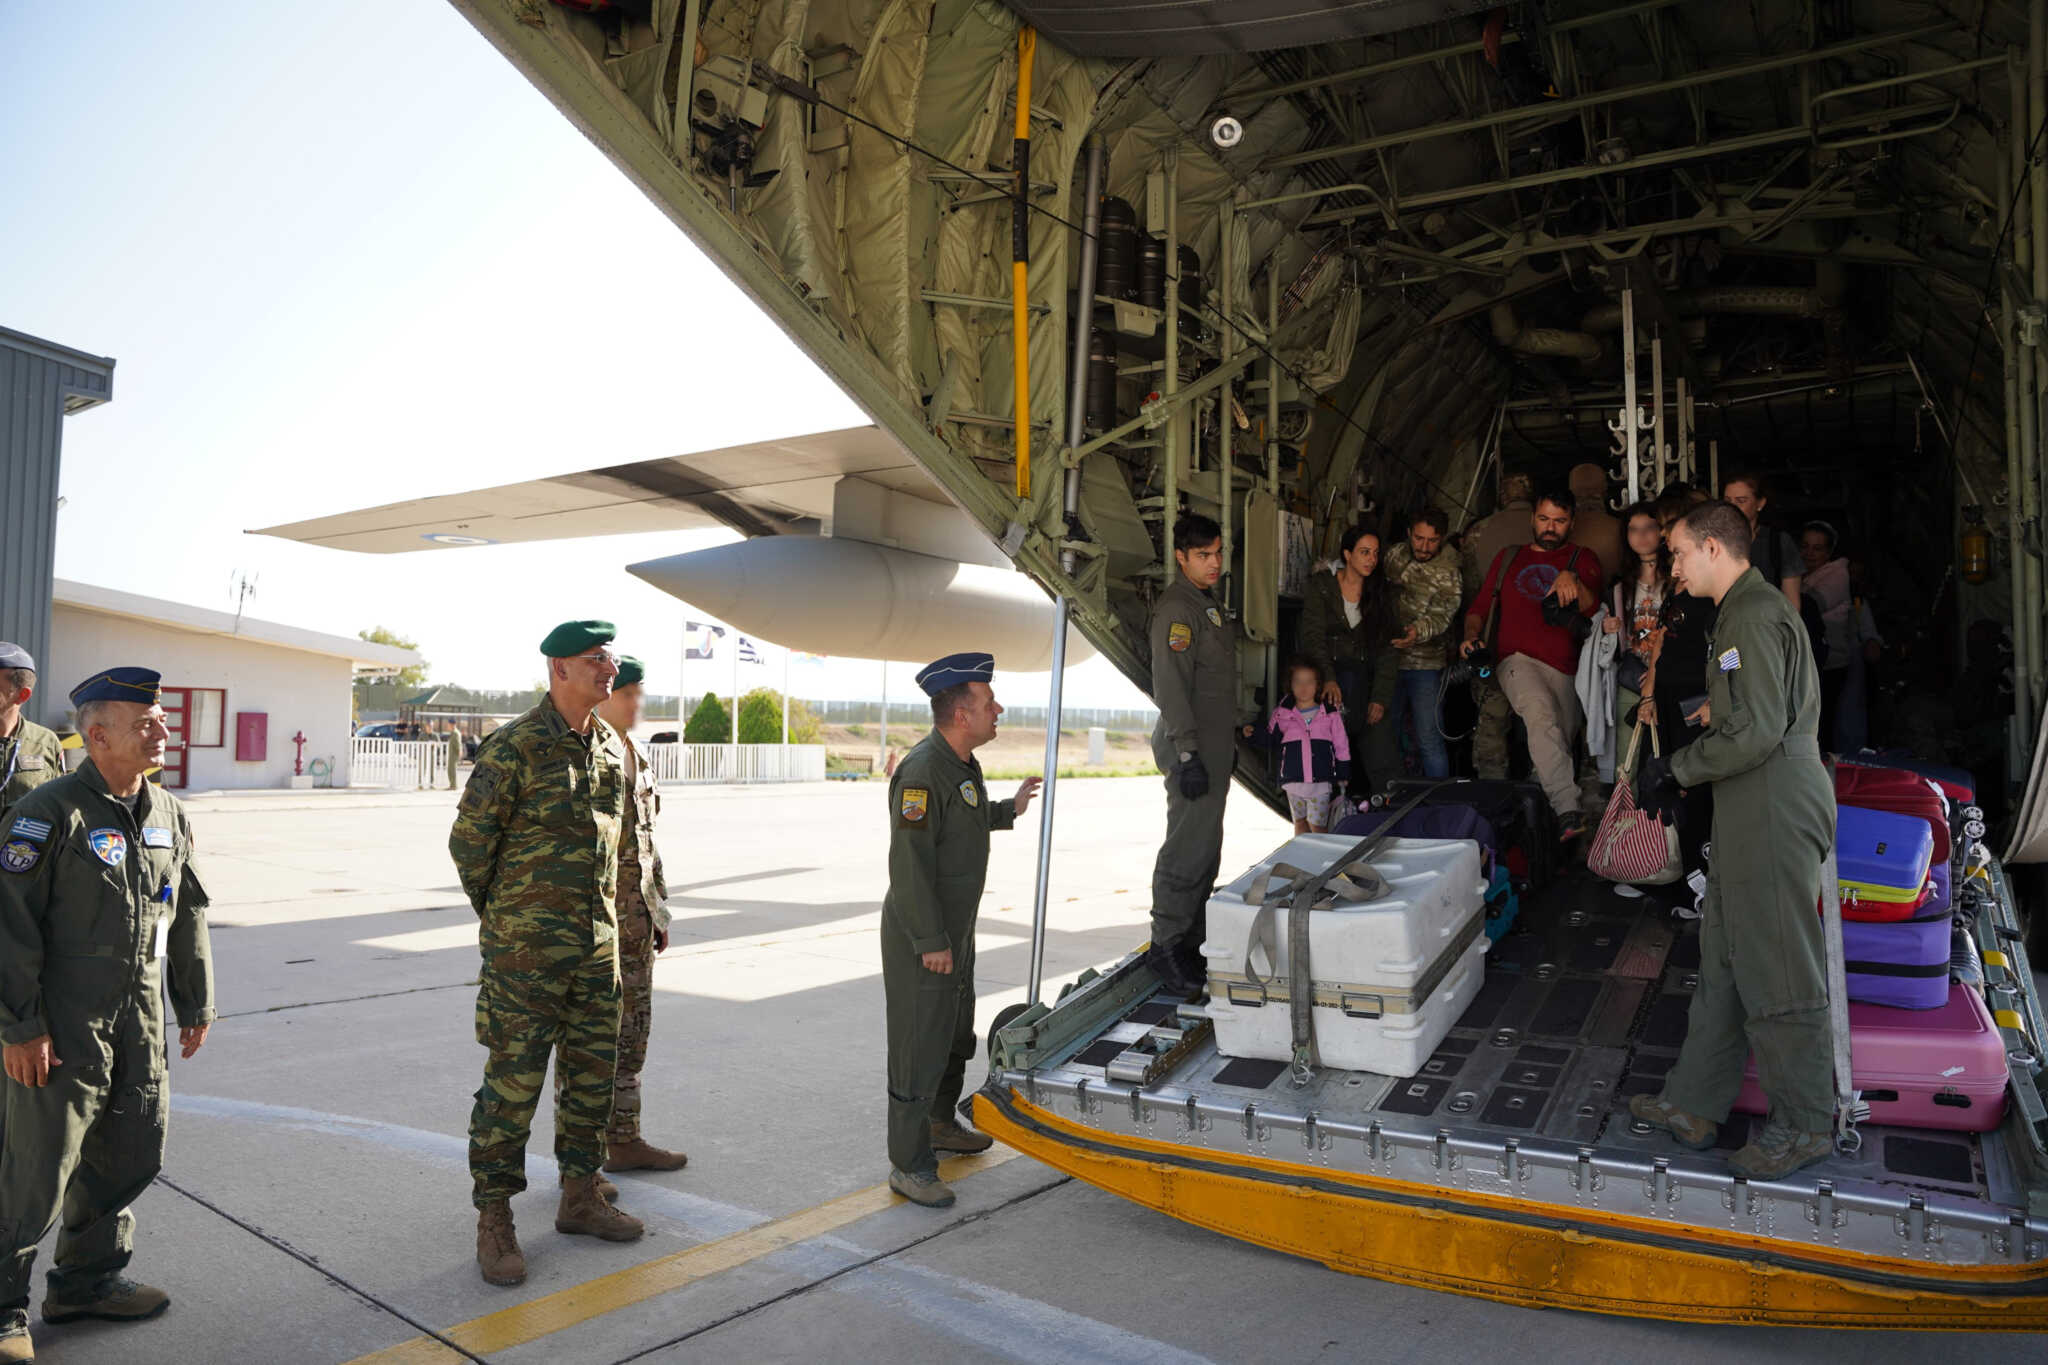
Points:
x=643, y=930
x=29, y=754
x=1430, y=577
x=940, y=816
x=536, y=842
x=97, y=898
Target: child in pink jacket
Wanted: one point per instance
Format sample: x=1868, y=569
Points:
x=1314, y=753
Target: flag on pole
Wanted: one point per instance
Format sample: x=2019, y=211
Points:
x=748, y=654
x=811, y=658
x=700, y=641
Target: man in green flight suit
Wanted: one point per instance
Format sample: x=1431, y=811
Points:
x=1194, y=683
x=536, y=842
x=939, y=819
x=1763, y=977
x=29, y=754
x=97, y=891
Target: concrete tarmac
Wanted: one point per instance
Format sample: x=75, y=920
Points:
x=315, y=1202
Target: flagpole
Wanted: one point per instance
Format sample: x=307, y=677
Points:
x=882, y=760
x=735, y=696
x=785, y=701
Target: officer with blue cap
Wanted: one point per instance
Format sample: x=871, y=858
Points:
x=97, y=896
x=29, y=754
x=940, y=816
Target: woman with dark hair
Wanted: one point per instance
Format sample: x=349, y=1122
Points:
x=1675, y=700
x=1640, y=593
x=1346, y=622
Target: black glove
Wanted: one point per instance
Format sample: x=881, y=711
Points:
x=1658, y=792
x=1194, y=779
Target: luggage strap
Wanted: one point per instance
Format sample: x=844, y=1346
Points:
x=1850, y=1109
x=1303, y=892
x=1361, y=1000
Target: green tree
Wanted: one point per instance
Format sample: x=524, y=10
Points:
x=412, y=679
x=710, y=723
x=761, y=719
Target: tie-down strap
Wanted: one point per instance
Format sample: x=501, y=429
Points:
x=1358, y=1000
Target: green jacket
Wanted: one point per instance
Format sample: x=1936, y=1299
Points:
x=637, y=854
x=1194, y=679
x=536, y=836
x=29, y=757
x=1759, y=747
x=85, y=889
x=939, y=821
x=1327, y=635
x=1431, y=592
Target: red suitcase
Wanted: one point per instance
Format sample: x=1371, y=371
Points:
x=1890, y=789
x=1955, y=783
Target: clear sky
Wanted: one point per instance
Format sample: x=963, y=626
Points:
x=345, y=254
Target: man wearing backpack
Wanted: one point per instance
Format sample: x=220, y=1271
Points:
x=1546, y=591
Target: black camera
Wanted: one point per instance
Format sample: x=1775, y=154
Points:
x=1476, y=665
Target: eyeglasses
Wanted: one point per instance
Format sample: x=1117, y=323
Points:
x=599, y=656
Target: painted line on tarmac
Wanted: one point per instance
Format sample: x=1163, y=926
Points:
x=982, y=1316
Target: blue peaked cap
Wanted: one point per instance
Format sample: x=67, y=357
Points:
x=955, y=669
x=118, y=684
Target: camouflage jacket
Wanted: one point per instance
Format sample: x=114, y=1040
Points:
x=93, y=900
x=29, y=757
x=536, y=837
x=639, y=859
x=1431, y=592
x=939, y=821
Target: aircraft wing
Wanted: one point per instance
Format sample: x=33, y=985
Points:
x=763, y=489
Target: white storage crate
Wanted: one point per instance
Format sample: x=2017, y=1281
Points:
x=1391, y=975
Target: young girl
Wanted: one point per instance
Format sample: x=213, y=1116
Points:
x=1636, y=611
x=1315, y=754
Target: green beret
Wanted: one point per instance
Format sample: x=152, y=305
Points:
x=577, y=637
x=631, y=670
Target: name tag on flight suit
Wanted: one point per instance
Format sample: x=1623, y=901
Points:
x=163, y=937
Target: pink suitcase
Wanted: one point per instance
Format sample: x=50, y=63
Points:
x=1939, y=1068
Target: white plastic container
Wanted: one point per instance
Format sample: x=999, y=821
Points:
x=1391, y=975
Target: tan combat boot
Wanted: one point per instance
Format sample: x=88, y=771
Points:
x=15, y=1345
x=948, y=1136
x=497, y=1247
x=638, y=1155
x=604, y=1187
x=588, y=1213
x=1690, y=1129
x=114, y=1299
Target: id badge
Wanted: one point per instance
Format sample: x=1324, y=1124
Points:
x=163, y=936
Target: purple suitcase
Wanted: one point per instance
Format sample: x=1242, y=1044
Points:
x=1903, y=965
x=1424, y=822
x=1940, y=898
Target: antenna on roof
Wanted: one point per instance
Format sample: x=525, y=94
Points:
x=243, y=589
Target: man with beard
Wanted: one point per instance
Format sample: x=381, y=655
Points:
x=1432, y=584
x=1540, y=588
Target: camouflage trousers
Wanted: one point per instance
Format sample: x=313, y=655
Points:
x=1490, y=738
x=636, y=1012
x=543, y=992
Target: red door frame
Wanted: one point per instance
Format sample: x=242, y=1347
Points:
x=177, y=704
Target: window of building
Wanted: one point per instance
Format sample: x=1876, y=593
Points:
x=204, y=710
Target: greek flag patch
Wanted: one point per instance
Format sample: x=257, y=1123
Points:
x=1730, y=661
x=25, y=828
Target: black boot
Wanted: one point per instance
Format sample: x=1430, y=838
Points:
x=1169, y=964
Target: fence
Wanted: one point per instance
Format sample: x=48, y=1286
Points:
x=737, y=762
x=401, y=764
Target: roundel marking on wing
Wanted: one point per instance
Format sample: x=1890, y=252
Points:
x=443, y=538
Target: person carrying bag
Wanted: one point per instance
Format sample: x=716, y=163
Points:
x=1631, y=847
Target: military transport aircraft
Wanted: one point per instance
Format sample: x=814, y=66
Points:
x=1091, y=268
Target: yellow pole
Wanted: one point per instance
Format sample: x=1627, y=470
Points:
x=1020, y=252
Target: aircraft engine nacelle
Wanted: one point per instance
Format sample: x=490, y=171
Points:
x=852, y=598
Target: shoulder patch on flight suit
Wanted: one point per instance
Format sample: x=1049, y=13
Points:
x=1730, y=660
x=33, y=830
x=110, y=845
x=970, y=793
x=1215, y=616
x=916, y=801
x=1179, y=636
x=19, y=855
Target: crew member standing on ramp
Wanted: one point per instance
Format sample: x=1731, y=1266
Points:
x=1194, y=683
x=536, y=843
x=29, y=754
x=97, y=892
x=1763, y=974
x=940, y=816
